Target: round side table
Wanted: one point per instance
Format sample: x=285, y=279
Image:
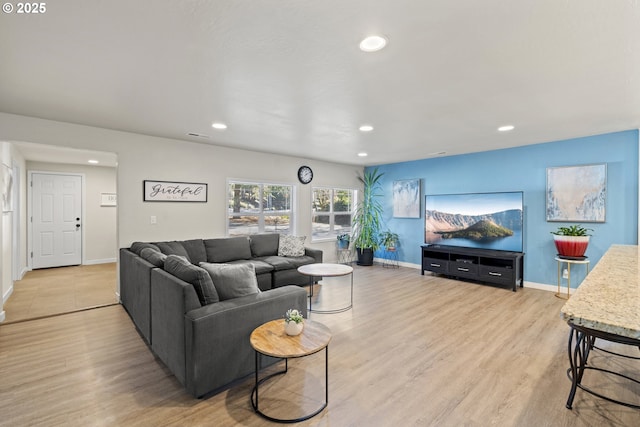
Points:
x=569, y=261
x=270, y=339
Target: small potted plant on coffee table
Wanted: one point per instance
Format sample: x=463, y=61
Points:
x=293, y=322
x=571, y=241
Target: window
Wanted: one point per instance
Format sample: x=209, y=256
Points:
x=259, y=208
x=332, y=212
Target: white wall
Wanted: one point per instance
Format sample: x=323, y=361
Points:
x=143, y=157
x=99, y=224
x=10, y=158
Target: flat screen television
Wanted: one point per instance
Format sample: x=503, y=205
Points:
x=475, y=220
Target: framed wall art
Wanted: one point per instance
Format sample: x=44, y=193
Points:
x=7, y=188
x=577, y=193
x=406, y=198
x=168, y=191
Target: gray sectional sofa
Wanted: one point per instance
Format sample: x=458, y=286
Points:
x=167, y=290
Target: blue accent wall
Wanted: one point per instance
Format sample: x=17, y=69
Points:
x=524, y=169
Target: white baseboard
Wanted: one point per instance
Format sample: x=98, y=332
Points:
x=6, y=296
x=549, y=288
x=100, y=261
x=2, y=316
x=23, y=272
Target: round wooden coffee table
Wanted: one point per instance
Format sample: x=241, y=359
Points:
x=270, y=339
x=327, y=270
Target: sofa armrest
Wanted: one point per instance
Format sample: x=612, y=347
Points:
x=171, y=298
x=218, y=350
x=314, y=253
x=135, y=290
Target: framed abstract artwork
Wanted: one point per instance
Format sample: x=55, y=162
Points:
x=577, y=193
x=406, y=198
x=7, y=188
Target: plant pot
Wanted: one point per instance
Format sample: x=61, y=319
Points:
x=571, y=246
x=365, y=256
x=343, y=244
x=293, y=328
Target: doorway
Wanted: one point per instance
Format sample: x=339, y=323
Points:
x=83, y=283
x=55, y=219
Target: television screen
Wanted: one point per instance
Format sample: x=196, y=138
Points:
x=475, y=220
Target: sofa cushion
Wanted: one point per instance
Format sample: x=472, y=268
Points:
x=264, y=244
x=298, y=261
x=260, y=266
x=278, y=262
x=232, y=280
x=173, y=248
x=137, y=247
x=154, y=257
x=227, y=249
x=291, y=245
x=195, y=250
x=198, y=277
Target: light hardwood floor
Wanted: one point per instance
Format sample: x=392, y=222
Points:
x=53, y=291
x=414, y=350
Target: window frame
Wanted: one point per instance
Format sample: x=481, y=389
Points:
x=262, y=214
x=332, y=213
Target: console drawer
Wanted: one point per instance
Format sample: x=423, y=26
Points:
x=463, y=269
x=436, y=265
x=496, y=274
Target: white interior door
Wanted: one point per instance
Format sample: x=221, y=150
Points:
x=56, y=220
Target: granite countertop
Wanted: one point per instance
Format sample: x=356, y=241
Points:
x=608, y=299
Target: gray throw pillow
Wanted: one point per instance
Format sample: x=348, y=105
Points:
x=232, y=280
x=154, y=257
x=291, y=245
x=198, y=277
x=137, y=247
x=173, y=248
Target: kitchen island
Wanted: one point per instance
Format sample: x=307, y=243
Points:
x=605, y=306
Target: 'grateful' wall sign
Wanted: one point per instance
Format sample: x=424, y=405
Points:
x=166, y=191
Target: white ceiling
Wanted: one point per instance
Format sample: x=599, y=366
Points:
x=287, y=76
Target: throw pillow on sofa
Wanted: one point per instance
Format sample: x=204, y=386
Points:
x=198, y=277
x=154, y=257
x=232, y=280
x=173, y=248
x=291, y=245
x=137, y=247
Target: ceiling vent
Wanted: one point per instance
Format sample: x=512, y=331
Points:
x=198, y=135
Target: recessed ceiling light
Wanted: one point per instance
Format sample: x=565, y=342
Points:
x=93, y=162
x=366, y=128
x=506, y=128
x=219, y=126
x=362, y=154
x=373, y=43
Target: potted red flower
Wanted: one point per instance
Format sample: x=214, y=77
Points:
x=571, y=241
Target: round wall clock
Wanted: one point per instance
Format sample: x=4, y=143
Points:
x=305, y=174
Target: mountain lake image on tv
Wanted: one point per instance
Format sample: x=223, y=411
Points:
x=475, y=220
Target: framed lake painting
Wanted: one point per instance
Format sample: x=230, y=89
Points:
x=577, y=193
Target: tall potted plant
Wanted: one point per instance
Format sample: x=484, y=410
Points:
x=368, y=217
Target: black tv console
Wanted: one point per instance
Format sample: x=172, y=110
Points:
x=482, y=265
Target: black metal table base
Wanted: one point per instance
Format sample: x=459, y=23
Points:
x=579, y=354
x=254, y=392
